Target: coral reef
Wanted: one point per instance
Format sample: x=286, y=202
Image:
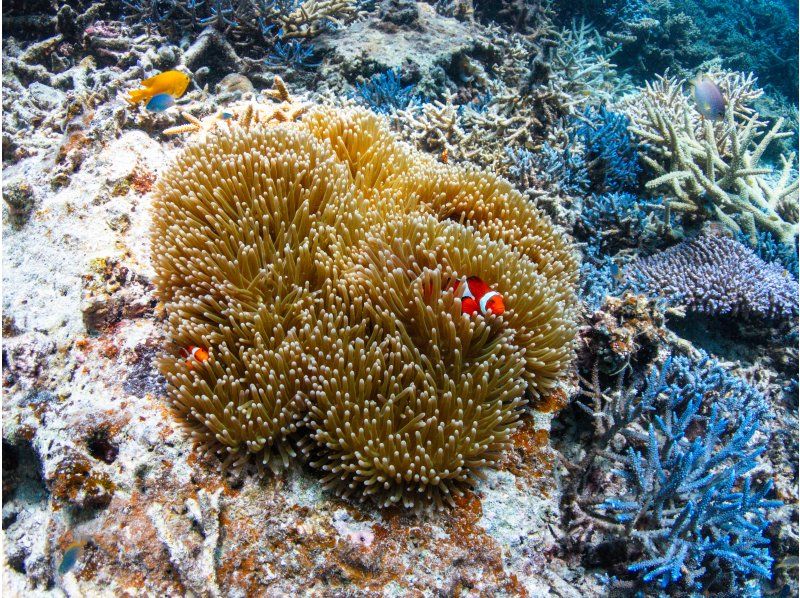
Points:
x=314, y=259
x=678, y=36
x=716, y=275
x=714, y=170
x=358, y=208
x=684, y=448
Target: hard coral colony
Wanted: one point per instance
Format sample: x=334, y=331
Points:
x=316, y=260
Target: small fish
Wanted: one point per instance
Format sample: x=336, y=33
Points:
x=194, y=355
x=477, y=297
x=710, y=102
x=616, y=272
x=72, y=554
x=226, y=115
x=173, y=83
x=160, y=102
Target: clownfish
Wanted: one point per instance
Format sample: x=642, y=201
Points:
x=194, y=355
x=172, y=83
x=477, y=297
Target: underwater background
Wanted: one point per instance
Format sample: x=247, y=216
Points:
x=398, y=298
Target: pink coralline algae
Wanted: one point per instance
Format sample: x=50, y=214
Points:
x=716, y=275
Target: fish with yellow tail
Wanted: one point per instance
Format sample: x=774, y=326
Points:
x=160, y=91
x=476, y=297
x=709, y=98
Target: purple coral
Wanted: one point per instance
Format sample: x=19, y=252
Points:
x=717, y=275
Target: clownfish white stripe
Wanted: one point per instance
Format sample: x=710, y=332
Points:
x=485, y=300
x=465, y=290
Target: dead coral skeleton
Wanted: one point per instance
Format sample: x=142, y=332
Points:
x=313, y=17
x=714, y=169
x=198, y=572
x=539, y=82
x=246, y=114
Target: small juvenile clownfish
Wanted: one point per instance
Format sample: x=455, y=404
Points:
x=477, y=297
x=194, y=355
x=172, y=83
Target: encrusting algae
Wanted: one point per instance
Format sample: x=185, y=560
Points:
x=317, y=262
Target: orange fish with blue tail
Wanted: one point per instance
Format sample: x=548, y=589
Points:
x=171, y=83
x=477, y=297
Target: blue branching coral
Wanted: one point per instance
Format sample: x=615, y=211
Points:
x=620, y=220
x=716, y=275
x=599, y=278
x=609, y=223
x=691, y=436
x=610, y=154
x=385, y=92
x=291, y=54
x=772, y=251
x=562, y=170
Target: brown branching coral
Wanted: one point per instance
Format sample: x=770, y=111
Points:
x=538, y=86
x=246, y=114
x=714, y=169
x=315, y=261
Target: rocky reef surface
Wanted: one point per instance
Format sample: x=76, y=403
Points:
x=93, y=456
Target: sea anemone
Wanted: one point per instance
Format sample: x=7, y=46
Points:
x=315, y=260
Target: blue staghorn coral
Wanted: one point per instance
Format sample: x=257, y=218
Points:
x=716, y=275
x=610, y=223
x=599, y=275
x=563, y=170
x=599, y=278
x=610, y=154
x=620, y=220
x=291, y=54
x=692, y=436
x=385, y=92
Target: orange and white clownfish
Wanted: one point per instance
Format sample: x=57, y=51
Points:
x=194, y=354
x=477, y=297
